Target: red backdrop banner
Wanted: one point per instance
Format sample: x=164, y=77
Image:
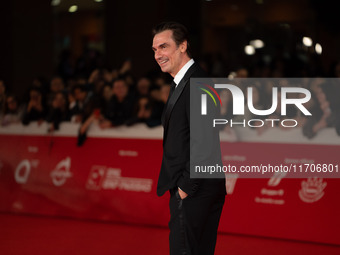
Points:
x=114, y=178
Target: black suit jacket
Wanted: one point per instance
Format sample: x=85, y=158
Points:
x=175, y=169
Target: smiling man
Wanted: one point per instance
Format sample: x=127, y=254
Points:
x=195, y=204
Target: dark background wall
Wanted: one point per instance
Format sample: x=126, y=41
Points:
x=129, y=24
x=33, y=33
x=26, y=42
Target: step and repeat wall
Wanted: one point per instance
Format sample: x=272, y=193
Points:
x=113, y=177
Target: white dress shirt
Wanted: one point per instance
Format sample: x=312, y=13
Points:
x=179, y=76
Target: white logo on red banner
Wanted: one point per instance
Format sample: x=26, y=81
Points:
x=96, y=177
x=22, y=171
x=276, y=179
x=312, y=190
x=125, y=153
x=33, y=149
x=62, y=172
x=273, y=195
x=102, y=177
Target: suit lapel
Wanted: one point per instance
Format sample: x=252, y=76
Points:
x=177, y=93
x=172, y=89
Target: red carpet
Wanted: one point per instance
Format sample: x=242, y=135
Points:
x=43, y=235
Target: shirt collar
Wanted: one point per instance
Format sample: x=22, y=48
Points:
x=179, y=76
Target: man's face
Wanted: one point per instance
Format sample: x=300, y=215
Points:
x=168, y=55
x=59, y=101
x=11, y=103
x=143, y=86
x=57, y=85
x=79, y=95
x=120, y=89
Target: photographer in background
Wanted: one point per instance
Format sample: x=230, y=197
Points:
x=35, y=109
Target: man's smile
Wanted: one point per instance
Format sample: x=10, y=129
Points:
x=161, y=62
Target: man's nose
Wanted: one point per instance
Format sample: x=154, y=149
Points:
x=157, y=55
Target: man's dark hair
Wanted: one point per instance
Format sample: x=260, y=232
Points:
x=120, y=78
x=179, y=33
x=79, y=86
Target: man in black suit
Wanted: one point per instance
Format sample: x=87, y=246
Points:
x=195, y=204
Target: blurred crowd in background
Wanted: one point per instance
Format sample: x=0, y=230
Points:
x=88, y=92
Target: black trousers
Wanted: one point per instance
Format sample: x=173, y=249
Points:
x=193, y=222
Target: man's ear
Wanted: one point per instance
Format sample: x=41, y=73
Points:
x=183, y=46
